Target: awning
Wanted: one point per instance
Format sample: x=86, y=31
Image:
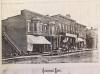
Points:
x=37, y=40
x=65, y=40
x=71, y=35
x=80, y=39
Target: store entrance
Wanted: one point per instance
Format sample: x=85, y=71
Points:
x=38, y=48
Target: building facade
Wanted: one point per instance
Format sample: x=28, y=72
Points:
x=92, y=38
x=72, y=30
x=34, y=33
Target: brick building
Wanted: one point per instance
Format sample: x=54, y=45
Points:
x=72, y=30
x=34, y=32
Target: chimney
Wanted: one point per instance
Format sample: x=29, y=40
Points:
x=68, y=15
x=47, y=15
x=91, y=28
x=22, y=12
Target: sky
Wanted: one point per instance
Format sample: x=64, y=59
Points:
x=86, y=12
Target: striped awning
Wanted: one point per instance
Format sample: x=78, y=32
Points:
x=37, y=40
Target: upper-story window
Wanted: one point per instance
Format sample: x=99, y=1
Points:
x=41, y=27
x=64, y=28
x=45, y=27
x=68, y=28
x=35, y=26
x=28, y=25
x=72, y=29
x=53, y=29
x=35, y=22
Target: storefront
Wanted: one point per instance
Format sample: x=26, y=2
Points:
x=37, y=44
x=69, y=41
x=54, y=41
x=81, y=43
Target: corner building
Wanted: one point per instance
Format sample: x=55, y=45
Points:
x=34, y=33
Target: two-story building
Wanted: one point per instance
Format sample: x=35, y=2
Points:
x=34, y=32
x=31, y=32
x=70, y=30
x=81, y=35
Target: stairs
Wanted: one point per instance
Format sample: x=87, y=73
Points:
x=5, y=35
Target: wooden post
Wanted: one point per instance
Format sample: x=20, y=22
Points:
x=44, y=48
x=51, y=47
x=57, y=41
x=51, y=43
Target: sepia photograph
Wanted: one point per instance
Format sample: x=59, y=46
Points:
x=50, y=31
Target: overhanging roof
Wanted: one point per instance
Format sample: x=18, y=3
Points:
x=37, y=40
x=71, y=35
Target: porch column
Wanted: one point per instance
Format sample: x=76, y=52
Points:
x=51, y=47
x=51, y=43
x=57, y=42
x=29, y=47
x=44, y=48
